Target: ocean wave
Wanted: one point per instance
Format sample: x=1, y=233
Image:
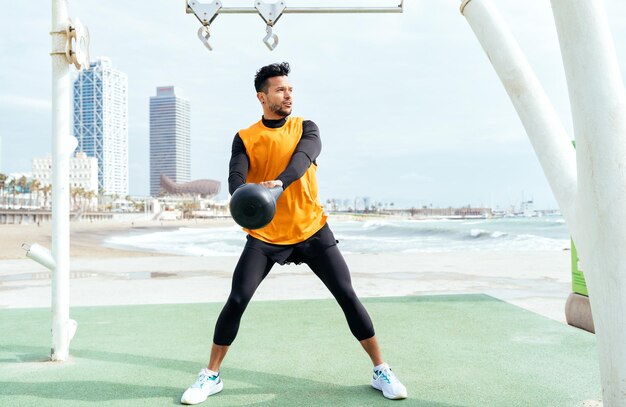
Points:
x=479, y=233
x=372, y=236
x=482, y=233
x=223, y=241
x=374, y=224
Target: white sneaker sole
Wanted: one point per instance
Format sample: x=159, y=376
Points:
x=213, y=391
x=387, y=395
x=217, y=388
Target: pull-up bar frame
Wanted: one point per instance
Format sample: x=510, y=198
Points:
x=270, y=13
x=317, y=10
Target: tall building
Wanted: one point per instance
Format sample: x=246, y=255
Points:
x=170, y=138
x=101, y=123
x=83, y=171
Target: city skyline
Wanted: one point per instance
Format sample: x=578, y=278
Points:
x=410, y=110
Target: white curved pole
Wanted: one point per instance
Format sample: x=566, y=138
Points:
x=591, y=191
x=550, y=141
x=598, y=105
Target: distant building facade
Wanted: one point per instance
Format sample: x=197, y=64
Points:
x=101, y=123
x=83, y=171
x=170, y=138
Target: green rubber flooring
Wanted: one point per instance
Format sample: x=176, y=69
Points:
x=461, y=350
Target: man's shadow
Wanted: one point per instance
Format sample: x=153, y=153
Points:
x=270, y=387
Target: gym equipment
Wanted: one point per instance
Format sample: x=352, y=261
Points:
x=270, y=12
x=253, y=205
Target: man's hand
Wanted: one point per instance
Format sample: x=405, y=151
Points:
x=272, y=184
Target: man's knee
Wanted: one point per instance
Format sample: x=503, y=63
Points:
x=237, y=303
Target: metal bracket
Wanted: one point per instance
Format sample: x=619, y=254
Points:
x=80, y=50
x=206, y=13
x=76, y=44
x=270, y=12
x=69, y=33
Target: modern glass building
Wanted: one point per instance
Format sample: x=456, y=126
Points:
x=101, y=123
x=170, y=138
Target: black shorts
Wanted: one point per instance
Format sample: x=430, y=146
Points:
x=297, y=252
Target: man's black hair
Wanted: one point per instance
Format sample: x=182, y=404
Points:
x=269, y=71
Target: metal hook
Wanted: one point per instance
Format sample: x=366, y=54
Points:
x=203, y=34
x=266, y=39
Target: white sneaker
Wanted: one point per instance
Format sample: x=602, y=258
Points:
x=207, y=383
x=387, y=382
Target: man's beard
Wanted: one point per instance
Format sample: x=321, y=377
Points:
x=278, y=110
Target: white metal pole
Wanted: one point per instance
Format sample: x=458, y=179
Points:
x=593, y=199
x=545, y=131
x=598, y=105
x=60, y=182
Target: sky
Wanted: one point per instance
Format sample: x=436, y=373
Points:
x=409, y=108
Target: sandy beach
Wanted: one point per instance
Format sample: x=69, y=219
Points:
x=86, y=238
x=538, y=281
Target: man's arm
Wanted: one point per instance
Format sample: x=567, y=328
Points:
x=239, y=164
x=306, y=152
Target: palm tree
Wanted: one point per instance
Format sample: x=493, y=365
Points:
x=187, y=208
x=82, y=195
x=12, y=189
x=34, y=186
x=114, y=198
x=88, y=197
x=46, y=192
x=101, y=194
x=3, y=179
x=139, y=206
x=22, y=182
x=129, y=200
x=75, y=192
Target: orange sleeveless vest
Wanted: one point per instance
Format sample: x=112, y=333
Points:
x=299, y=214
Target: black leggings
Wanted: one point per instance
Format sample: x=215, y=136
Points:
x=254, y=265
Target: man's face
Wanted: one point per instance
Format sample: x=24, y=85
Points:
x=278, y=99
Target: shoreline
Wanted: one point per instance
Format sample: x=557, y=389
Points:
x=537, y=280
x=87, y=238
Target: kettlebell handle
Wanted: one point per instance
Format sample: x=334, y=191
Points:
x=276, y=192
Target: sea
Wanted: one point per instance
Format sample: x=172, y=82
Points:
x=378, y=235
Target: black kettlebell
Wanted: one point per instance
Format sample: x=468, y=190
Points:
x=253, y=205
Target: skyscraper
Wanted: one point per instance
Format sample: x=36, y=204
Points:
x=170, y=138
x=101, y=123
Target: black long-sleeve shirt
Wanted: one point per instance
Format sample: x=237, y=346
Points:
x=306, y=152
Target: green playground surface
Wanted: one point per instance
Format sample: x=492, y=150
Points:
x=449, y=350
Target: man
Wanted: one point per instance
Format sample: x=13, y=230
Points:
x=280, y=150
